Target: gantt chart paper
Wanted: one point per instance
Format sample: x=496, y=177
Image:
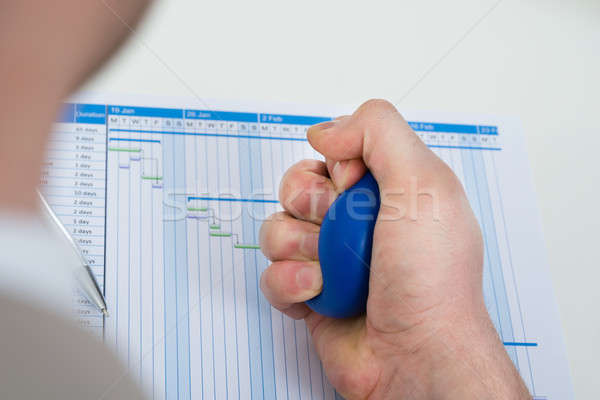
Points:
x=166, y=203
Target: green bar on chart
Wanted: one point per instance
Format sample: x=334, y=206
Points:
x=247, y=246
x=220, y=234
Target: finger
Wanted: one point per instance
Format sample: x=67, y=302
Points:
x=306, y=191
x=379, y=135
x=297, y=311
x=288, y=282
x=345, y=173
x=283, y=237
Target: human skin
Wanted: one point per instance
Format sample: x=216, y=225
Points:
x=47, y=49
x=426, y=333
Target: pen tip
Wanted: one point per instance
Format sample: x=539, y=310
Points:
x=105, y=312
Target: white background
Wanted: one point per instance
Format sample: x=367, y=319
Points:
x=538, y=60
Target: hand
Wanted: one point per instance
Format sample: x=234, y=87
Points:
x=427, y=333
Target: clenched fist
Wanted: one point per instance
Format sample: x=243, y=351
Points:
x=426, y=333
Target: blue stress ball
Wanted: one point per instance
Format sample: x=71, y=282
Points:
x=345, y=244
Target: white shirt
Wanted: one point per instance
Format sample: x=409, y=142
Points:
x=42, y=353
x=36, y=263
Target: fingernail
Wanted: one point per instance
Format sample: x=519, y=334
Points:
x=338, y=173
x=325, y=125
x=309, y=278
x=309, y=245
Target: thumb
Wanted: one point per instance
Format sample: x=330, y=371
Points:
x=379, y=135
x=423, y=216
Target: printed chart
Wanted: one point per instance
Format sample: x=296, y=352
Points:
x=167, y=203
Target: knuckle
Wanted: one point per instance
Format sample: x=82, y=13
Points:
x=307, y=164
x=274, y=237
x=378, y=107
x=288, y=191
x=293, y=183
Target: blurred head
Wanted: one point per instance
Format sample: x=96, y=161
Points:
x=48, y=49
x=63, y=40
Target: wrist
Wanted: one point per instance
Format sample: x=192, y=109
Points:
x=463, y=360
x=473, y=363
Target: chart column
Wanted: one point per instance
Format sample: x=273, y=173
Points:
x=73, y=181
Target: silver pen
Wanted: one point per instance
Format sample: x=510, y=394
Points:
x=83, y=274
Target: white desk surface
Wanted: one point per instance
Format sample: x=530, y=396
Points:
x=536, y=59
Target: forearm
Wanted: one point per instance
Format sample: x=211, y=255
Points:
x=477, y=366
x=467, y=361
